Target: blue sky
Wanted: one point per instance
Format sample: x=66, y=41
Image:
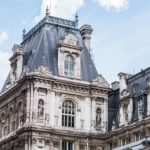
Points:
x=121, y=37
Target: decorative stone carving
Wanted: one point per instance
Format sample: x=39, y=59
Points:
x=34, y=140
x=100, y=81
x=124, y=93
x=47, y=142
x=43, y=71
x=55, y=144
x=58, y=93
x=40, y=143
x=82, y=147
x=47, y=118
x=70, y=40
x=42, y=91
x=34, y=116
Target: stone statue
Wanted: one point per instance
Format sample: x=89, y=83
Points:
x=41, y=108
x=98, y=117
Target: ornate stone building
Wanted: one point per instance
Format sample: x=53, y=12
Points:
x=54, y=99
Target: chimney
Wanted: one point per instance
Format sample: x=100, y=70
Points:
x=86, y=31
x=123, y=80
x=16, y=63
x=115, y=85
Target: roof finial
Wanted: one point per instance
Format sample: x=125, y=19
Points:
x=76, y=19
x=47, y=11
x=24, y=33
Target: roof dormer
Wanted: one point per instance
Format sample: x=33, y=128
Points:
x=69, y=53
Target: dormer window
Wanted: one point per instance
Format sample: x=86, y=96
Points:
x=69, y=66
x=69, y=57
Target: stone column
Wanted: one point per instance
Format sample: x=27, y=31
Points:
x=47, y=107
x=130, y=110
x=57, y=110
x=31, y=101
x=35, y=104
x=28, y=106
x=105, y=114
x=76, y=146
x=51, y=145
x=34, y=142
x=93, y=113
x=78, y=119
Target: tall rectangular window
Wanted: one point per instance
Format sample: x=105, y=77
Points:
x=68, y=114
x=67, y=145
x=137, y=137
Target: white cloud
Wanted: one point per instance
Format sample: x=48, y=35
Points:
x=3, y=37
x=60, y=8
x=5, y=67
x=115, y=4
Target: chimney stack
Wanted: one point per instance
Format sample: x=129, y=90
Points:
x=86, y=31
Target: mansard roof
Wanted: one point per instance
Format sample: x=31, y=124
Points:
x=141, y=80
x=40, y=47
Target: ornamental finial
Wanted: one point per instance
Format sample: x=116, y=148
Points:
x=76, y=17
x=47, y=11
x=24, y=34
x=76, y=20
x=24, y=31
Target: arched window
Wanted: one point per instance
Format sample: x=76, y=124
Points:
x=68, y=114
x=69, y=66
x=41, y=108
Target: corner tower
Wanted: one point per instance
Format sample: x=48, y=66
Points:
x=57, y=101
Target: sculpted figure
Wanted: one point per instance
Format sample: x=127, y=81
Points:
x=41, y=108
x=98, y=117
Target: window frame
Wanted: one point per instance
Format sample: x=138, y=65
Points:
x=69, y=66
x=137, y=136
x=66, y=145
x=68, y=114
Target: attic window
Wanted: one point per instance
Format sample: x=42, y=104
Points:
x=69, y=66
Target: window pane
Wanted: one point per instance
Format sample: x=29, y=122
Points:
x=68, y=114
x=67, y=145
x=69, y=66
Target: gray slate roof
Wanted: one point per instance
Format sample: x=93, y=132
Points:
x=40, y=47
x=140, y=80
